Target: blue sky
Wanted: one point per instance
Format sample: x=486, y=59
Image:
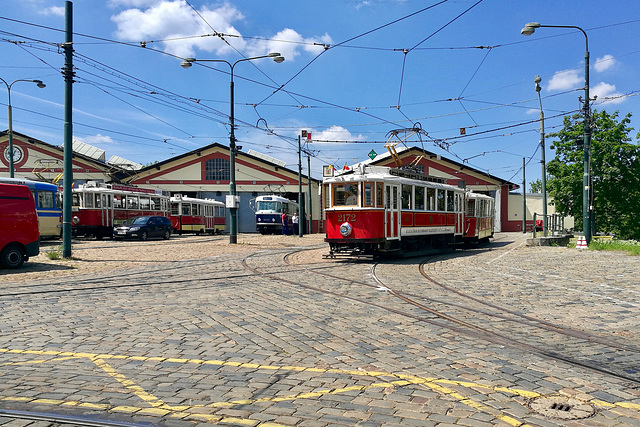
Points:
x=354, y=71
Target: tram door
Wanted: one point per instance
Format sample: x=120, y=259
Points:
x=392, y=211
x=106, y=210
x=459, y=208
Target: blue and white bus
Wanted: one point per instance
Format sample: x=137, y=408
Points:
x=48, y=205
x=269, y=210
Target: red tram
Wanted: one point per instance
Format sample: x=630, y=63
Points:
x=374, y=210
x=98, y=207
x=192, y=215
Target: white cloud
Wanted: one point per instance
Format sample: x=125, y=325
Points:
x=335, y=133
x=286, y=42
x=563, y=80
x=53, y=10
x=174, y=19
x=604, y=90
x=95, y=139
x=604, y=63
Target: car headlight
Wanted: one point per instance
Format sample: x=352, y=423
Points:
x=346, y=229
x=75, y=220
x=134, y=229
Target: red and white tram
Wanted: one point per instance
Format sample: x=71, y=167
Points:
x=98, y=207
x=192, y=215
x=479, y=217
x=374, y=210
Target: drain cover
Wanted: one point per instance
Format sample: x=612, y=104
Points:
x=561, y=407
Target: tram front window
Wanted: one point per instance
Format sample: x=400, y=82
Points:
x=268, y=206
x=345, y=194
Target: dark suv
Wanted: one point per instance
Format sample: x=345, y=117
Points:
x=143, y=227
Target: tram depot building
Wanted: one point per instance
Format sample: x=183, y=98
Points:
x=204, y=173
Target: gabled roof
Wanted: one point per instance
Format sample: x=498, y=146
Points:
x=260, y=158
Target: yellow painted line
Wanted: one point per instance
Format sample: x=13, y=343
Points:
x=137, y=390
x=35, y=362
x=180, y=411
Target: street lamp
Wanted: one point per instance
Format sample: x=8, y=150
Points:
x=8, y=85
x=542, y=161
x=587, y=213
x=233, y=207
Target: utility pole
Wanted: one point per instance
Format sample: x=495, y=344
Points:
x=301, y=211
x=310, y=229
x=68, y=130
x=524, y=198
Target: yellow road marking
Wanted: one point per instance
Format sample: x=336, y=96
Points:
x=160, y=408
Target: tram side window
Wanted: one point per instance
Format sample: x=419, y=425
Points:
x=395, y=197
x=145, y=203
x=325, y=196
x=441, y=200
x=88, y=200
x=406, y=196
x=345, y=194
x=419, y=202
x=367, y=194
x=98, y=201
x=450, y=205
x=379, y=194
x=186, y=208
x=132, y=202
x=155, y=204
x=46, y=199
x=471, y=207
x=431, y=199
x=75, y=199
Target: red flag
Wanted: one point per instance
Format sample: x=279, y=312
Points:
x=345, y=168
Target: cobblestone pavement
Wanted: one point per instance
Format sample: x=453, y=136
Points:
x=279, y=336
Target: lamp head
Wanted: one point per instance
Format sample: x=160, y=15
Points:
x=39, y=84
x=538, y=80
x=273, y=54
x=279, y=59
x=187, y=62
x=530, y=28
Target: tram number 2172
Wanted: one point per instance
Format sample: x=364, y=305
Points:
x=347, y=217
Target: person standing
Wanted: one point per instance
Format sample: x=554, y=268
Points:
x=295, y=220
x=285, y=224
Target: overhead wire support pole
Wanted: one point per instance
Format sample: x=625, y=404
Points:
x=543, y=162
x=588, y=225
x=524, y=197
x=68, y=131
x=300, y=210
x=232, y=198
x=310, y=228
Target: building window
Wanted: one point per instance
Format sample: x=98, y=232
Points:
x=217, y=170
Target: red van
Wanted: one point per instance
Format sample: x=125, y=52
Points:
x=20, y=237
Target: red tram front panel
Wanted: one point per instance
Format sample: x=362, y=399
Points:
x=366, y=224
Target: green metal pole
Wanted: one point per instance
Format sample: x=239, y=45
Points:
x=524, y=198
x=10, y=117
x=233, y=210
x=68, y=131
x=543, y=162
x=586, y=181
x=310, y=229
x=300, y=210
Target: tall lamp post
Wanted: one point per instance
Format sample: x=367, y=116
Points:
x=586, y=178
x=542, y=161
x=9, y=114
x=232, y=203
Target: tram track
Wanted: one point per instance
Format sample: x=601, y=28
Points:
x=527, y=333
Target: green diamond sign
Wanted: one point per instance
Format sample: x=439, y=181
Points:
x=372, y=154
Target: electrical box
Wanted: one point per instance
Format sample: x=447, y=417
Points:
x=232, y=201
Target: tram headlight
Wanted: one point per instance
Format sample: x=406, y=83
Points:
x=346, y=229
x=75, y=220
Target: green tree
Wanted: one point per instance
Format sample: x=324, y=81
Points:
x=535, y=186
x=615, y=173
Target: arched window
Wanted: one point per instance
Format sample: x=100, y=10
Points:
x=217, y=170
